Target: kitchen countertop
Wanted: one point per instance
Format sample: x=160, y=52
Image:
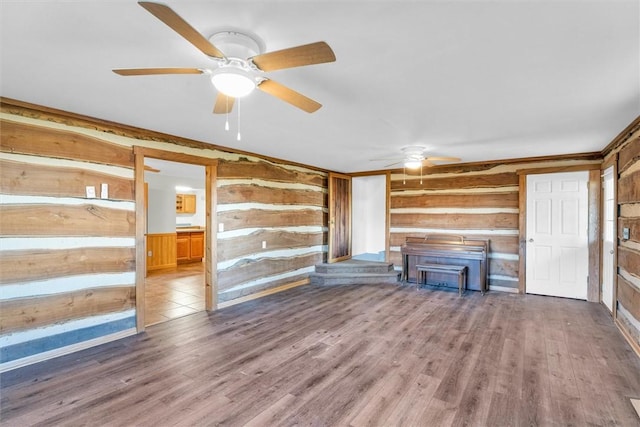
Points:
x=189, y=229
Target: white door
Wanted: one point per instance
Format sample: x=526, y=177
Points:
x=557, y=260
x=609, y=215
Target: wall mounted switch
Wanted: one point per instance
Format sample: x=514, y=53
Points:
x=264, y=244
x=220, y=228
x=625, y=233
x=104, y=191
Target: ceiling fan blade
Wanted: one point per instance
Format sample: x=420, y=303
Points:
x=224, y=104
x=392, y=164
x=427, y=163
x=444, y=159
x=314, y=53
x=182, y=27
x=150, y=71
x=289, y=95
x=150, y=169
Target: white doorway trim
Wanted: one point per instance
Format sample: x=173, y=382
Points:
x=609, y=237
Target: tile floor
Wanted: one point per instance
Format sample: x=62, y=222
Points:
x=174, y=293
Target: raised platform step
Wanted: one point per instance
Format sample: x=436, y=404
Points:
x=354, y=272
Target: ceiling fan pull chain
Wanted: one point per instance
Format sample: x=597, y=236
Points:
x=239, y=137
x=226, y=123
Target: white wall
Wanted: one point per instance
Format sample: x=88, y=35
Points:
x=368, y=214
x=161, y=215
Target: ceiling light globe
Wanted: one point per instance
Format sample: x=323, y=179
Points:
x=412, y=164
x=233, y=82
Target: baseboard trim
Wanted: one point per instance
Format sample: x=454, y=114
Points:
x=51, y=354
x=263, y=293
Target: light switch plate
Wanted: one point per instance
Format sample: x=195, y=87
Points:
x=104, y=191
x=625, y=233
x=91, y=192
x=220, y=228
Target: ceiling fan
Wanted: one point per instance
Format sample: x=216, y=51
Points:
x=240, y=60
x=414, y=157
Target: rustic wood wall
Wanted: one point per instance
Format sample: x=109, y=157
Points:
x=625, y=150
x=67, y=265
x=67, y=262
x=475, y=201
x=282, y=206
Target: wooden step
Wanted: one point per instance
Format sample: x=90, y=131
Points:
x=355, y=266
x=391, y=277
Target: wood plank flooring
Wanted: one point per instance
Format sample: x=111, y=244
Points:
x=347, y=356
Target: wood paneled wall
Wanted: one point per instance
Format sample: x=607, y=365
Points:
x=67, y=263
x=274, y=218
x=475, y=201
x=625, y=149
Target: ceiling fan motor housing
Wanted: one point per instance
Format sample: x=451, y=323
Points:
x=236, y=44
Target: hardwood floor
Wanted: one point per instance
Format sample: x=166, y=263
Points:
x=347, y=356
x=175, y=293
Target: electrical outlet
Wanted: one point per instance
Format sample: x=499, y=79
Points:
x=150, y=254
x=220, y=228
x=264, y=244
x=91, y=192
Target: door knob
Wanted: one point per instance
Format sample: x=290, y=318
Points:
x=530, y=240
x=611, y=251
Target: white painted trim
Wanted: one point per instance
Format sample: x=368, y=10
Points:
x=510, y=257
x=265, y=207
x=503, y=289
x=501, y=232
x=271, y=278
x=270, y=184
x=58, y=243
x=72, y=325
x=281, y=253
x=634, y=280
x=41, y=357
x=453, y=210
x=505, y=278
x=10, y=199
x=117, y=171
x=511, y=189
x=247, y=231
x=64, y=284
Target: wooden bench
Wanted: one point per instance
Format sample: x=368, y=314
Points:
x=459, y=270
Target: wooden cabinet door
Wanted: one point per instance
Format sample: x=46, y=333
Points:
x=183, y=247
x=197, y=245
x=188, y=203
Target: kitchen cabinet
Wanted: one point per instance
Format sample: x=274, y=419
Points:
x=189, y=246
x=185, y=203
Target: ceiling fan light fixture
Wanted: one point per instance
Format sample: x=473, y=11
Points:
x=233, y=81
x=412, y=163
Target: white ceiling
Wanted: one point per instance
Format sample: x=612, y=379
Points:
x=480, y=80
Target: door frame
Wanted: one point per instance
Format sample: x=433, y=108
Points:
x=211, y=262
x=387, y=211
x=332, y=197
x=612, y=163
x=594, y=224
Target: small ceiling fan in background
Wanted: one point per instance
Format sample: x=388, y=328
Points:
x=414, y=157
x=239, y=60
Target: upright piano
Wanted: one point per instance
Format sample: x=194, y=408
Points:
x=447, y=249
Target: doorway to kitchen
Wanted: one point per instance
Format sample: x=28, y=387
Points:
x=176, y=222
x=179, y=234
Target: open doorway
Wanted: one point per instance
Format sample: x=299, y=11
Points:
x=176, y=224
x=370, y=217
x=209, y=286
